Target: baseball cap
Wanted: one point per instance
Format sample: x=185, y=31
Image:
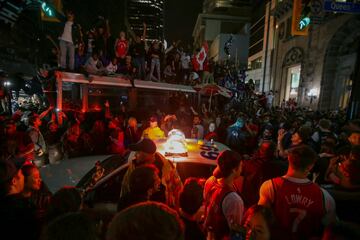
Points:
x=9, y=168
x=145, y=145
x=226, y=161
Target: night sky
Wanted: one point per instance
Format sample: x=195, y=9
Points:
x=180, y=19
x=180, y=15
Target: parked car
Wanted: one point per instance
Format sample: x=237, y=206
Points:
x=100, y=177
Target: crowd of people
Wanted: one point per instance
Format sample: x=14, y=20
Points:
x=131, y=54
x=290, y=174
x=98, y=52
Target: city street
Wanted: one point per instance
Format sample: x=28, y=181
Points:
x=193, y=120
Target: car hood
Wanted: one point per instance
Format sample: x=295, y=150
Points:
x=68, y=172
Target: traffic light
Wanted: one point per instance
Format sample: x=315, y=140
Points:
x=47, y=9
x=50, y=10
x=301, y=17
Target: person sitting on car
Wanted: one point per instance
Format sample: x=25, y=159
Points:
x=170, y=181
x=144, y=182
x=153, y=132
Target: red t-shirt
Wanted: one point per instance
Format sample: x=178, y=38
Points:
x=211, y=135
x=299, y=208
x=215, y=218
x=121, y=48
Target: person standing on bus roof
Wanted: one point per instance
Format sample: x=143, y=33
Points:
x=68, y=40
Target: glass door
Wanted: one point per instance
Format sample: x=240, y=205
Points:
x=293, y=82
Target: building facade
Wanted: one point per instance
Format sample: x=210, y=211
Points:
x=317, y=70
x=220, y=19
x=149, y=11
x=261, y=46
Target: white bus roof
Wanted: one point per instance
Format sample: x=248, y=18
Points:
x=120, y=81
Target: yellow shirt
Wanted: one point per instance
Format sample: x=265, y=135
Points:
x=153, y=133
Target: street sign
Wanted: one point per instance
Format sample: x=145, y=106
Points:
x=343, y=7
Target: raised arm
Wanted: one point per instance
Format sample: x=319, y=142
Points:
x=81, y=34
x=108, y=33
x=143, y=37
x=281, y=151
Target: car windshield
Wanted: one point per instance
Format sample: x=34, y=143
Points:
x=100, y=170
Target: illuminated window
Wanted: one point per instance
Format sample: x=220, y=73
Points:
x=256, y=64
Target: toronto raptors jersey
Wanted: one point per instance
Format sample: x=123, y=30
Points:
x=299, y=208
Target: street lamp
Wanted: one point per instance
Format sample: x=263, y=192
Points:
x=7, y=84
x=312, y=94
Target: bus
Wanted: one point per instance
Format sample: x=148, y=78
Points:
x=117, y=90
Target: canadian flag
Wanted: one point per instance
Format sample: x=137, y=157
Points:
x=201, y=56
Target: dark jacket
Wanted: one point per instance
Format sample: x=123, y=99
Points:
x=18, y=218
x=347, y=202
x=192, y=230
